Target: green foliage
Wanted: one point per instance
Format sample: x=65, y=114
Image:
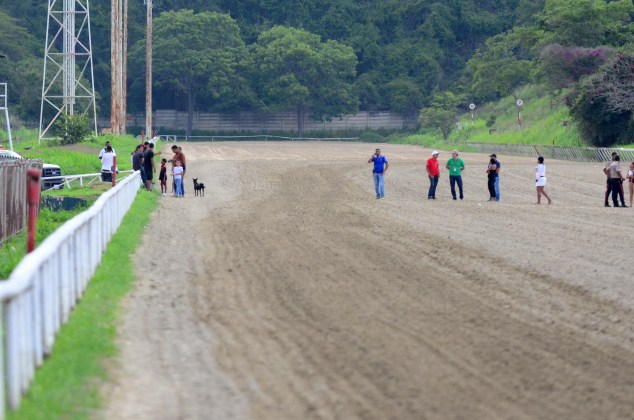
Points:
x=72, y=129
x=542, y=124
x=505, y=65
x=441, y=113
x=195, y=55
x=588, y=23
x=14, y=249
x=405, y=49
x=490, y=121
x=603, y=105
x=297, y=70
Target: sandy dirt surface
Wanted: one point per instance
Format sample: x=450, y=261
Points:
x=290, y=292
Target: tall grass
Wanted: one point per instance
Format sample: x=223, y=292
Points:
x=14, y=249
x=80, y=158
x=542, y=118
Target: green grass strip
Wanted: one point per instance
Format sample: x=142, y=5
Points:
x=67, y=385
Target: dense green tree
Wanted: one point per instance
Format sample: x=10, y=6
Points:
x=406, y=49
x=404, y=95
x=195, y=54
x=441, y=113
x=588, y=23
x=603, y=103
x=298, y=70
x=505, y=64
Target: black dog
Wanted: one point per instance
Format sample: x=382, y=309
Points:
x=199, y=188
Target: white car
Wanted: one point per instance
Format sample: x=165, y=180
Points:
x=52, y=173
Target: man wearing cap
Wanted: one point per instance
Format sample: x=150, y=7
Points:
x=455, y=165
x=433, y=172
x=497, y=176
x=616, y=181
x=606, y=171
x=380, y=166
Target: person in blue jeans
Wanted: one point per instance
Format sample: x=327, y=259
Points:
x=380, y=166
x=455, y=165
x=497, y=176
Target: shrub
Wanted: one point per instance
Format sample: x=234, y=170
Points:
x=72, y=129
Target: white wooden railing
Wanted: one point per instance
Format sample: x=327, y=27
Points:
x=43, y=289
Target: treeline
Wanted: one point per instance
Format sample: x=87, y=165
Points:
x=330, y=57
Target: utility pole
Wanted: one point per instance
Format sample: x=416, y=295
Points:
x=148, y=71
x=118, y=85
x=124, y=70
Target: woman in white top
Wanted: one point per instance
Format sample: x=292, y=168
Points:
x=630, y=181
x=540, y=180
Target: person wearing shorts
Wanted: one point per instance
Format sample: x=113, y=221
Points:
x=540, y=180
x=163, y=176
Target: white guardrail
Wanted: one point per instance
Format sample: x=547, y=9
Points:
x=43, y=289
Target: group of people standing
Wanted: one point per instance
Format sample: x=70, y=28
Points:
x=142, y=160
x=455, y=165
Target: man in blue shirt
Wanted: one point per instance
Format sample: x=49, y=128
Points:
x=380, y=166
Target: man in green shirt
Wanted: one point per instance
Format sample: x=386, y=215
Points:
x=455, y=166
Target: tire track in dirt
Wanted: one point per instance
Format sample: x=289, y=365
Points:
x=303, y=297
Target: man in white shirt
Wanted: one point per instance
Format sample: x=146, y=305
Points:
x=107, y=164
x=104, y=150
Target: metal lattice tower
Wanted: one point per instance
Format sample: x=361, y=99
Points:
x=68, y=81
x=4, y=106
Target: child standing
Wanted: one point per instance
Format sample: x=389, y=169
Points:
x=163, y=176
x=178, y=178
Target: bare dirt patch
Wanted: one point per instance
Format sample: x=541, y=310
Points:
x=289, y=292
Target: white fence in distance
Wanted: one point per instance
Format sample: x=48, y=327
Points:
x=43, y=289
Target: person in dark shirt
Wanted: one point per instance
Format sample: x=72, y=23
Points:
x=497, y=176
x=492, y=175
x=163, y=176
x=137, y=162
x=148, y=166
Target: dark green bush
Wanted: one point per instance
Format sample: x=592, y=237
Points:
x=72, y=129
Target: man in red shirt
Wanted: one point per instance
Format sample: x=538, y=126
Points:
x=433, y=172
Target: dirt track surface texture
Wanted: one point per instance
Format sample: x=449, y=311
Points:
x=290, y=292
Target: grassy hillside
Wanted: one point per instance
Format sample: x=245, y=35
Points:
x=542, y=123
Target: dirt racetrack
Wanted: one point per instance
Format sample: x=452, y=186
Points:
x=289, y=292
